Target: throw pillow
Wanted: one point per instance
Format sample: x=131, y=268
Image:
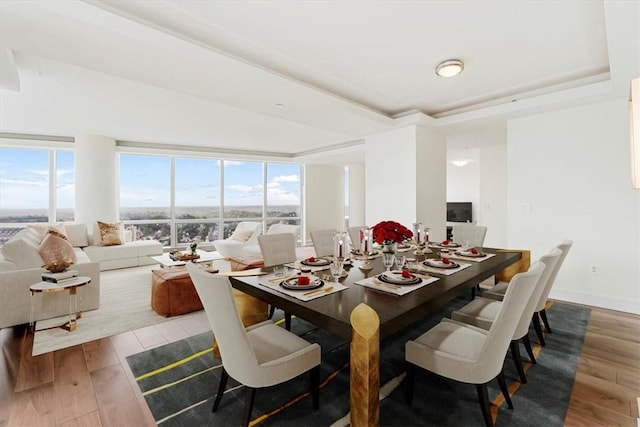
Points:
x=241, y=235
x=56, y=249
x=43, y=230
x=110, y=233
x=77, y=234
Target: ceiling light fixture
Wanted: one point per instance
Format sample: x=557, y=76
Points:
x=460, y=163
x=450, y=68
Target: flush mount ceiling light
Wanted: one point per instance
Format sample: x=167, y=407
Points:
x=460, y=163
x=449, y=68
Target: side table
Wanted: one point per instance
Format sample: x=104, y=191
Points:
x=71, y=285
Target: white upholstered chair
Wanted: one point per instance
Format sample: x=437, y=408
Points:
x=475, y=234
x=482, y=312
x=498, y=291
x=278, y=249
x=470, y=354
x=245, y=234
x=253, y=250
x=259, y=356
x=323, y=241
x=354, y=235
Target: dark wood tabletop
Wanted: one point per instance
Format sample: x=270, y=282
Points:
x=332, y=311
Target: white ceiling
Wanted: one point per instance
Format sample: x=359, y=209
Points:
x=340, y=70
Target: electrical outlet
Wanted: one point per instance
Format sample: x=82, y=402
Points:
x=594, y=268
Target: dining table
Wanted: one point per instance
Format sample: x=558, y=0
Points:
x=332, y=310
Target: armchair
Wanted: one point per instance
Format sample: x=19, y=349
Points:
x=245, y=234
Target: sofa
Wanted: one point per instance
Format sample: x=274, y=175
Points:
x=245, y=234
x=21, y=267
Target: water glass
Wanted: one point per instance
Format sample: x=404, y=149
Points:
x=336, y=270
x=399, y=261
x=280, y=270
x=388, y=259
x=412, y=265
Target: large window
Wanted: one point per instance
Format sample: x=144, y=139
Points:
x=37, y=185
x=204, y=199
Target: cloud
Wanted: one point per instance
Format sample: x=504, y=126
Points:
x=287, y=178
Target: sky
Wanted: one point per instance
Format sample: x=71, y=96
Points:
x=24, y=179
x=145, y=181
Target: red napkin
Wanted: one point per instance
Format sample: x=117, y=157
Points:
x=311, y=259
x=303, y=281
x=474, y=251
x=446, y=261
x=406, y=274
x=445, y=242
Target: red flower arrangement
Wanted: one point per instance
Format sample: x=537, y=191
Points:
x=388, y=232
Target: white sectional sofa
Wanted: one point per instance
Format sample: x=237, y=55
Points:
x=20, y=267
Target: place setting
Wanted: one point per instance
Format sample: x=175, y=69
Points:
x=468, y=254
x=311, y=264
x=398, y=282
x=305, y=286
x=442, y=265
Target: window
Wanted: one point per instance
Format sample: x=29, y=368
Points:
x=178, y=200
x=145, y=196
x=197, y=199
x=28, y=176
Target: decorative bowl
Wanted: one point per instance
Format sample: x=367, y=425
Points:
x=57, y=267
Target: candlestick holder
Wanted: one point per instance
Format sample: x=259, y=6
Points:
x=366, y=240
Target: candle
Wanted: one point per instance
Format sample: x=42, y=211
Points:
x=366, y=245
x=340, y=244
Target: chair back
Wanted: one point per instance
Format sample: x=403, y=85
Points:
x=494, y=349
x=564, y=247
x=475, y=234
x=323, y=241
x=277, y=248
x=354, y=235
x=215, y=292
x=550, y=261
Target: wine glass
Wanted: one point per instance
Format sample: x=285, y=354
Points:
x=399, y=261
x=388, y=260
x=336, y=270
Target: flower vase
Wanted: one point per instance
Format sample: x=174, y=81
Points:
x=391, y=248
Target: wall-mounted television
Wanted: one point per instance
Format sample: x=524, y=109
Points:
x=459, y=212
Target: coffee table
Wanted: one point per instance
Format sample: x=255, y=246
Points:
x=71, y=285
x=165, y=261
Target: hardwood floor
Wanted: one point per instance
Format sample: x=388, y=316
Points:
x=91, y=384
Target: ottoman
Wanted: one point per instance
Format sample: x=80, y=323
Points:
x=173, y=293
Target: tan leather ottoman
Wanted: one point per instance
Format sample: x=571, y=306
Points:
x=173, y=293
x=246, y=263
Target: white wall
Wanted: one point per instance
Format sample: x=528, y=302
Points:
x=492, y=206
x=569, y=177
x=356, y=195
x=324, y=197
x=406, y=178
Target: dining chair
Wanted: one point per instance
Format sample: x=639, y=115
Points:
x=482, y=312
x=276, y=249
x=470, y=354
x=259, y=356
x=498, y=291
x=278, y=228
x=474, y=234
x=323, y=241
x=354, y=235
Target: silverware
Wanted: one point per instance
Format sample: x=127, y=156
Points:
x=279, y=279
x=387, y=285
x=318, y=291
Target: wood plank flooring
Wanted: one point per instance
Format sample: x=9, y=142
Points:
x=92, y=385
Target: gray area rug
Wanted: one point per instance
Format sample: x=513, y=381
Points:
x=179, y=381
x=125, y=305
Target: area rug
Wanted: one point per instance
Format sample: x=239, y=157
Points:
x=125, y=305
x=179, y=380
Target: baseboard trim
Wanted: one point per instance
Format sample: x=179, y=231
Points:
x=627, y=306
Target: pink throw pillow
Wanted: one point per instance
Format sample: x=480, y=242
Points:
x=55, y=249
x=110, y=234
